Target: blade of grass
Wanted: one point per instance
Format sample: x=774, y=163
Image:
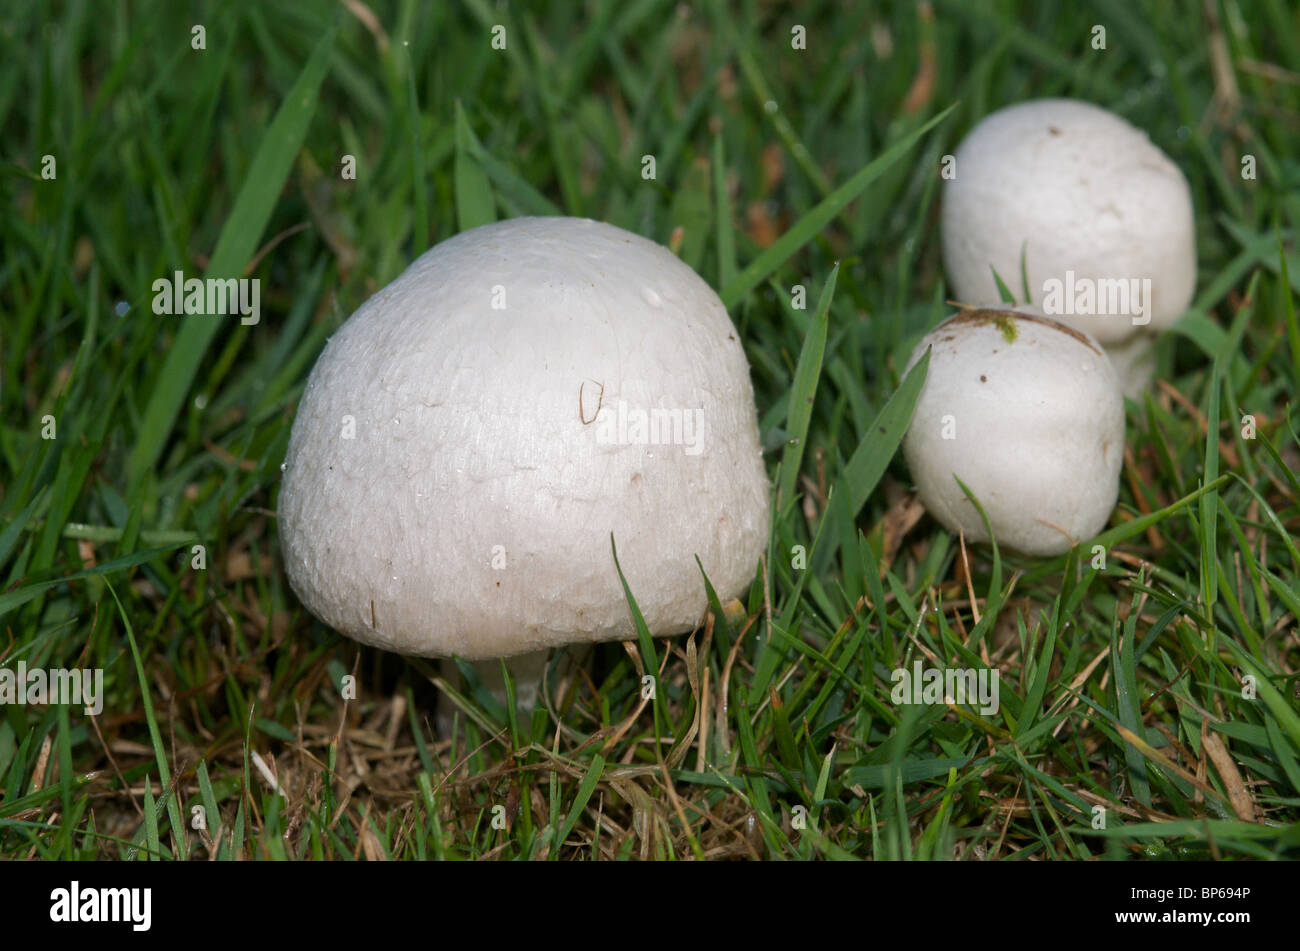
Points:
x=239, y=237
x=644, y=640
x=1288, y=305
x=726, y=238
x=872, y=457
x=475, y=204
x=580, y=800
x=1209, y=502
x=420, y=200
x=160, y=755
x=804, y=391
x=1123, y=659
x=24, y=594
x=811, y=223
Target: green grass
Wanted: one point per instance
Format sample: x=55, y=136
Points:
x=1120, y=685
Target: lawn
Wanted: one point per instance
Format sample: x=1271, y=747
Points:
x=1148, y=704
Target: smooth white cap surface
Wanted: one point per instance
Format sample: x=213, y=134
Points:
x=1028, y=414
x=514, y=394
x=1081, y=190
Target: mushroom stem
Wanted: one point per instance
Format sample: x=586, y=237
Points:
x=526, y=670
x=1135, y=364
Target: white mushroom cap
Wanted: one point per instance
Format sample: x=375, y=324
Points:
x=497, y=448
x=1080, y=190
x=1027, y=413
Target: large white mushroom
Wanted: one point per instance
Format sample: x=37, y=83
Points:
x=1095, y=209
x=471, y=437
x=1027, y=413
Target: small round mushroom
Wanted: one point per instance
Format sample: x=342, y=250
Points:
x=1027, y=413
x=1093, y=206
x=471, y=437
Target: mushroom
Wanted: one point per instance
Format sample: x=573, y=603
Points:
x=1027, y=413
x=1102, y=218
x=471, y=438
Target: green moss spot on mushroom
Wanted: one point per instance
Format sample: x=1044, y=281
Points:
x=1007, y=327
